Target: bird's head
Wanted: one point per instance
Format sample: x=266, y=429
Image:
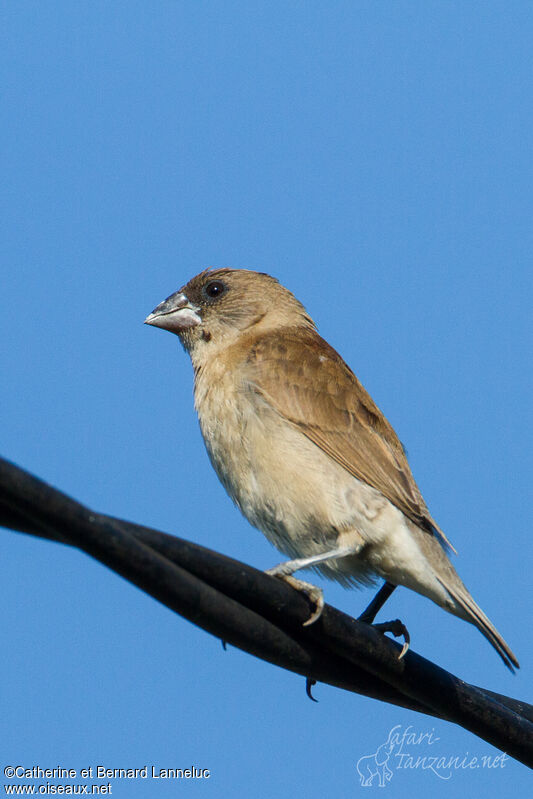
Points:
x=217, y=306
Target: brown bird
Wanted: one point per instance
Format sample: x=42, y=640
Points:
x=303, y=450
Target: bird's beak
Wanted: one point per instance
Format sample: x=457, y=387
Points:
x=176, y=314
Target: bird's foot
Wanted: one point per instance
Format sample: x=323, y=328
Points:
x=315, y=595
x=397, y=628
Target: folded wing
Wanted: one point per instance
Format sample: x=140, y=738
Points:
x=307, y=382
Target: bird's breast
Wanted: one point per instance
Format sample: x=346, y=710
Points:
x=282, y=482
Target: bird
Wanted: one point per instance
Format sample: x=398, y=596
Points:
x=302, y=449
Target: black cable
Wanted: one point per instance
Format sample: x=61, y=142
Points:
x=262, y=615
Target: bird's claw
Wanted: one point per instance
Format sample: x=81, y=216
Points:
x=397, y=628
x=315, y=595
x=308, y=687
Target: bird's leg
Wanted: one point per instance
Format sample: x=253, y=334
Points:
x=377, y=603
x=314, y=594
x=395, y=627
x=291, y=566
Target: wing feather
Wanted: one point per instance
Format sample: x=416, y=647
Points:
x=307, y=383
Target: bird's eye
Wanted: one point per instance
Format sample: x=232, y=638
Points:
x=214, y=289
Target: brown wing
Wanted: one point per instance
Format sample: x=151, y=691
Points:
x=308, y=383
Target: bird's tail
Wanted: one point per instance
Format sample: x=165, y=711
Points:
x=470, y=611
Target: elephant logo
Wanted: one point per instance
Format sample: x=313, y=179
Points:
x=376, y=765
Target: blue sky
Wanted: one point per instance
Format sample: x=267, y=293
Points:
x=376, y=158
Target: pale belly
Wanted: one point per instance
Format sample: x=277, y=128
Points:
x=298, y=496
